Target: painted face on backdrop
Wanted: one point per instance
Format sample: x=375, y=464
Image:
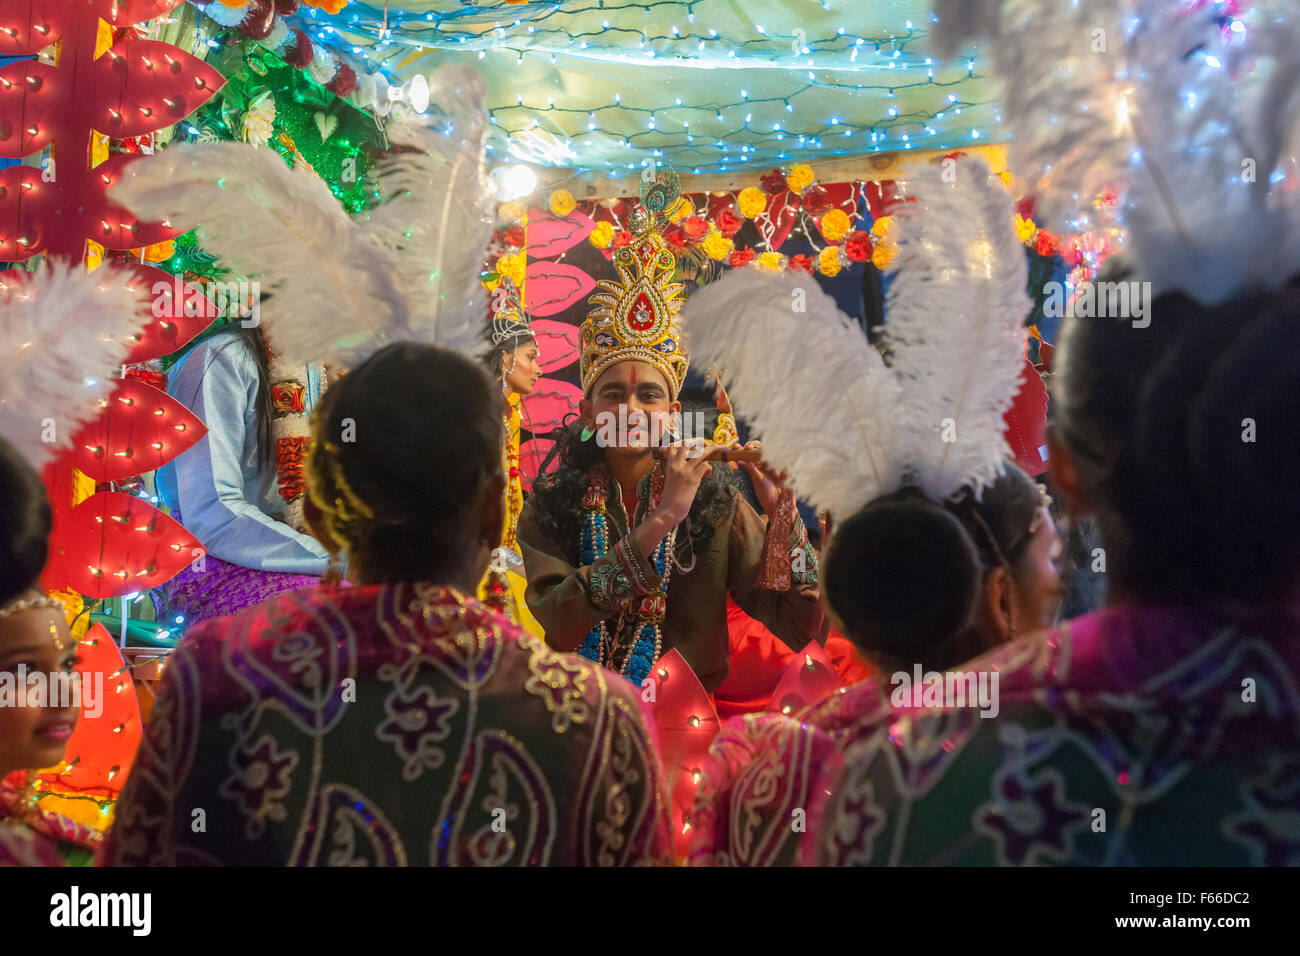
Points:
x=522, y=368
x=32, y=738
x=650, y=409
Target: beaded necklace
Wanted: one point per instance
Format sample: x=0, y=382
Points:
x=633, y=659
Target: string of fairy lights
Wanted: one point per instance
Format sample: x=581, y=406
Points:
x=816, y=85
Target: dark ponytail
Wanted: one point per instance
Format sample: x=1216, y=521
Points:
x=404, y=442
x=904, y=575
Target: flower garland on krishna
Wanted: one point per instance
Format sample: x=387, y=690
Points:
x=645, y=643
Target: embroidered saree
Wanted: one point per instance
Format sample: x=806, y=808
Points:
x=1133, y=736
x=388, y=725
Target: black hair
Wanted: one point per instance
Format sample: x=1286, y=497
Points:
x=492, y=355
x=250, y=338
x=904, y=574
x=263, y=406
x=1182, y=430
x=413, y=432
x=24, y=524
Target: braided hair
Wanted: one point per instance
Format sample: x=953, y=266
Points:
x=402, y=445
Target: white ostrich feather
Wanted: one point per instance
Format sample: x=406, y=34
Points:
x=808, y=382
x=56, y=365
x=1212, y=205
x=955, y=328
x=439, y=218
x=335, y=295
x=1158, y=101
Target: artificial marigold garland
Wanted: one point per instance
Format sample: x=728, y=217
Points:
x=836, y=225
x=828, y=263
x=562, y=202
x=602, y=235
x=751, y=202
x=800, y=178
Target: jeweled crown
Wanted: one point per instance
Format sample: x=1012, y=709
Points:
x=635, y=318
x=509, y=320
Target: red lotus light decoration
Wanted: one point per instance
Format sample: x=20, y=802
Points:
x=181, y=311
x=685, y=724
x=142, y=429
x=102, y=748
x=118, y=543
x=809, y=677
x=111, y=543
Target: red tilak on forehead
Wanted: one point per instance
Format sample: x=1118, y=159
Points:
x=633, y=371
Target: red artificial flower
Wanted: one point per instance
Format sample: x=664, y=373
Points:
x=676, y=241
x=343, y=82
x=1047, y=243
x=741, y=257
x=728, y=223
x=774, y=183
x=298, y=53
x=802, y=263
x=816, y=200
x=1071, y=251
x=857, y=245
x=258, y=21
x=621, y=239
x=695, y=228
x=513, y=236
x=1025, y=208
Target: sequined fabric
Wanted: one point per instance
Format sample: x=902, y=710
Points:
x=386, y=726
x=222, y=589
x=1123, y=738
x=1134, y=736
x=39, y=837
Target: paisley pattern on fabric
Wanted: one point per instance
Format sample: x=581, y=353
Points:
x=1133, y=736
x=388, y=725
x=223, y=588
x=751, y=808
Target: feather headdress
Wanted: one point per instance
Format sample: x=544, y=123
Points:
x=55, y=368
x=955, y=327
x=1186, y=110
x=336, y=298
x=845, y=426
x=343, y=287
x=439, y=217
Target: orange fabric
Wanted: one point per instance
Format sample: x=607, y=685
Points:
x=758, y=660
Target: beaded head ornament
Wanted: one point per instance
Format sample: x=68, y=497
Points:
x=509, y=320
x=635, y=319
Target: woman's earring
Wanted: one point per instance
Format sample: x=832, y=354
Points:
x=587, y=432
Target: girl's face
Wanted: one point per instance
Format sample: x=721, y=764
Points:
x=34, y=737
x=1036, y=591
x=522, y=368
x=649, y=412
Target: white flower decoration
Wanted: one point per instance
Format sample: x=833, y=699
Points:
x=322, y=67
x=258, y=122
